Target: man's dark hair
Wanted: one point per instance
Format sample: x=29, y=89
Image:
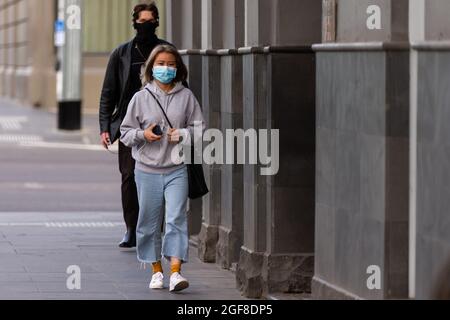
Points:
x=146, y=7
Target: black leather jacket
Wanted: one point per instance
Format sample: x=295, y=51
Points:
x=115, y=95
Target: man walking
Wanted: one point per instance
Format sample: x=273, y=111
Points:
x=122, y=81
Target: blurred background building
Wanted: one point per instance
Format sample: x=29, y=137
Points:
x=363, y=115
x=28, y=54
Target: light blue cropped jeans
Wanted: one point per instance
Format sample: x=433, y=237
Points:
x=153, y=191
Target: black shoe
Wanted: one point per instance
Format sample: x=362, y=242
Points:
x=129, y=240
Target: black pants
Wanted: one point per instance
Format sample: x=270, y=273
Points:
x=130, y=202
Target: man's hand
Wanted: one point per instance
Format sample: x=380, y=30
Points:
x=106, y=140
x=150, y=136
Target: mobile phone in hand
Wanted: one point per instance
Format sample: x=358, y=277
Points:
x=157, y=130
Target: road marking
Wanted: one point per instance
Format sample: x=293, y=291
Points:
x=20, y=224
x=64, y=225
x=69, y=146
x=78, y=213
x=12, y=123
x=9, y=138
x=34, y=186
x=83, y=224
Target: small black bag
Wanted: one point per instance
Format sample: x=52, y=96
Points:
x=196, y=176
x=197, y=183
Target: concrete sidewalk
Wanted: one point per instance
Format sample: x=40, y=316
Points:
x=49, y=179
x=37, y=248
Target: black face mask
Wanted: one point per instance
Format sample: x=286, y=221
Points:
x=145, y=31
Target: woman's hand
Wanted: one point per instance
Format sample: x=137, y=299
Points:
x=175, y=136
x=150, y=136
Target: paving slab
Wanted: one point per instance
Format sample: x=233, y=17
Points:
x=34, y=262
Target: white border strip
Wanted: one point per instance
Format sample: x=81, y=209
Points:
x=416, y=34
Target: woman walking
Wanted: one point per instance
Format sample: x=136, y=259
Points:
x=160, y=177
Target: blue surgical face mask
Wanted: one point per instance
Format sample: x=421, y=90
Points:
x=164, y=74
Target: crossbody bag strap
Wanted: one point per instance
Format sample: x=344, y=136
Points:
x=160, y=106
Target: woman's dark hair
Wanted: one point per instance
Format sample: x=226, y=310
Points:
x=182, y=72
x=146, y=7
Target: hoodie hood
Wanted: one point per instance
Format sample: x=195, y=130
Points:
x=154, y=88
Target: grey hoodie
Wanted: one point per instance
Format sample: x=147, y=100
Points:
x=183, y=111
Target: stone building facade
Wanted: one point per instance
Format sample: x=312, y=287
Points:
x=252, y=67
x=28, y=55
x=382, y=117
x=357, y=89
x=362, y=153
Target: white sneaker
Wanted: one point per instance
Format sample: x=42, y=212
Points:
x=157, y=281
x=178, y=283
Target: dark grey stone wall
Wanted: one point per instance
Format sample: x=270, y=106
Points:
x=231, y=228
x=265, y=224
x=288, y=265
x=211, y=88
x=279, y=93
x=437, y=26
x=233, y=32
x=256, y=100
x=352, y=21
x=298, y=22
x=195, y=80
x=399, y=20
x=362, y=134
x=352, y=18
x=248, y=218
x=433, y=176
x=362, y=171
x=292, y=111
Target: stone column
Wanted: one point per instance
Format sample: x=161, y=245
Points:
x=9, y=76
x=183, y=23
x=288, y=265
x=231, y=224
x=22, y=51
x=191, y=33
x=255, y=93
x=234, y=25
x=173, y=22
x=189, y=39
x=26, y=63
x=362, y=171
x=212, y=24
x=430, y=240
x=208, y=236
x=258, y=31
x=258, y=22
x=193, y=61
x=40, y=56
x=211, y=31
x=2, y=47
x=279, y=94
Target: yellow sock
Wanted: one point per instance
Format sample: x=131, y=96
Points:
x=157, y=267
x=175, y=267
